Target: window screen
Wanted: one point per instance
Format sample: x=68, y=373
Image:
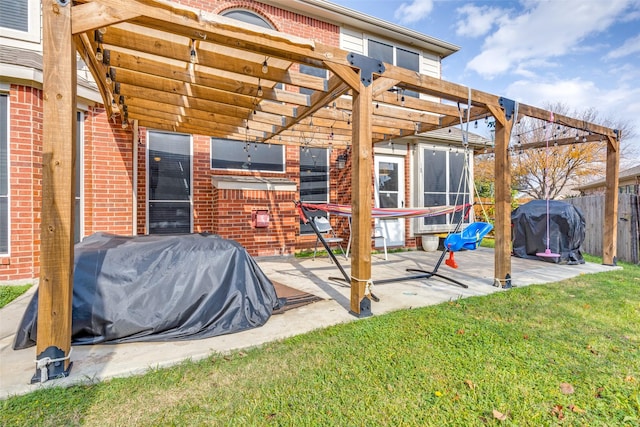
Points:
x=314, y=179
x=169, y=160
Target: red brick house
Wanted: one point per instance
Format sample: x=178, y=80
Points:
x=135, y=180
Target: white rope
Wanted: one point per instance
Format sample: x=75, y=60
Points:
x=368, y=285
x=45, y=361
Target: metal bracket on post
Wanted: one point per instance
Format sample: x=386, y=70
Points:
x=367, y=66
x=50, y=365
x=365, y=308
x=509, y=106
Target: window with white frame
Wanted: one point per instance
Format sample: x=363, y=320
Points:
x=441, y=181
x=314, y=179
x=20, y=19
x=228, y=154
x=4, y=174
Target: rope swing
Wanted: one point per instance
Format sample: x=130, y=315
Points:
x=547, y=252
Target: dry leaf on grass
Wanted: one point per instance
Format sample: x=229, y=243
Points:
x=575, y=409
x=470, y=383
x=557, y=411
x=566, y=388
x=499, y=415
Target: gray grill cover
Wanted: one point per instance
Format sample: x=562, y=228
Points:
x=160, y=288
x=566, y=231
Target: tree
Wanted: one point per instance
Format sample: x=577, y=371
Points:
x=541, y=173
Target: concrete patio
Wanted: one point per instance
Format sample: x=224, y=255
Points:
x=99, y=362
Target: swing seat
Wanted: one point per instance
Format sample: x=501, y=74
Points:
x=469, y=238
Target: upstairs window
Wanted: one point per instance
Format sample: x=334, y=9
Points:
x=20, y=19
x=396, y=56
x=248, y=17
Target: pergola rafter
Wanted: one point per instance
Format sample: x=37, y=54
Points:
x=181, y=70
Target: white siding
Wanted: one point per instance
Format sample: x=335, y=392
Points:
x=430, y=65
x=351, y=40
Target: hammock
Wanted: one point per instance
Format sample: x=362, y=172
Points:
x=345, y=210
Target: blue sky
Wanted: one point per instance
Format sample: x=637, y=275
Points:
x=584, y=53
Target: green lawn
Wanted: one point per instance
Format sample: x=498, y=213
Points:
x=566, y=353
x=9, y=293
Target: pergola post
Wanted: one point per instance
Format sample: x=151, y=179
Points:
x=55, y=290
x=502, y=173
x=361, y=175
x=610, y=238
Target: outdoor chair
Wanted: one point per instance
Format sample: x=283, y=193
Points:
x=376, y=233
x=329, y=235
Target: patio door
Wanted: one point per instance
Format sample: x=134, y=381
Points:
x=169, y=183
x=389, y=193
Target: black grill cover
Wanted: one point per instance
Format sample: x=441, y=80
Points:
x=566, y=231
x=160, y=288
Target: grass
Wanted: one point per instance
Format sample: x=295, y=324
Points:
x=8, y=293
x=566, y=353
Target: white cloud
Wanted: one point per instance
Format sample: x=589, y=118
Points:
x=630, y=46
x=617, y=102
x=414, y=11
x=544, y=29
x=477, y=21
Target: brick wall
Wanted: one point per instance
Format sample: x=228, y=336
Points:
x=107, y=178
x=25, y=148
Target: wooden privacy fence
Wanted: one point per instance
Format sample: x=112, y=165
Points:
x=592, y=207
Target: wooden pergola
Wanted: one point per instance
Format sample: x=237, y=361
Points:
x=164, y=66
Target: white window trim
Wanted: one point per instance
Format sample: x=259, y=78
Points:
x=146, y=160
x=34, y=23
x=8, y=130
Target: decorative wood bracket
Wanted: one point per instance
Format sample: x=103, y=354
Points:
x=367, y=66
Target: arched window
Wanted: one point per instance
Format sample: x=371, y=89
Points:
x=248, y=17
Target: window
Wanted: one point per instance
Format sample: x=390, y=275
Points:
x=20, y=19
x=312, y=71
x=239, y=155
x=79, y=211
x=4, y=174
x=442, y=183
x=314, y=179
x=248, y=17
x=395, y=56
x=169, y=183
